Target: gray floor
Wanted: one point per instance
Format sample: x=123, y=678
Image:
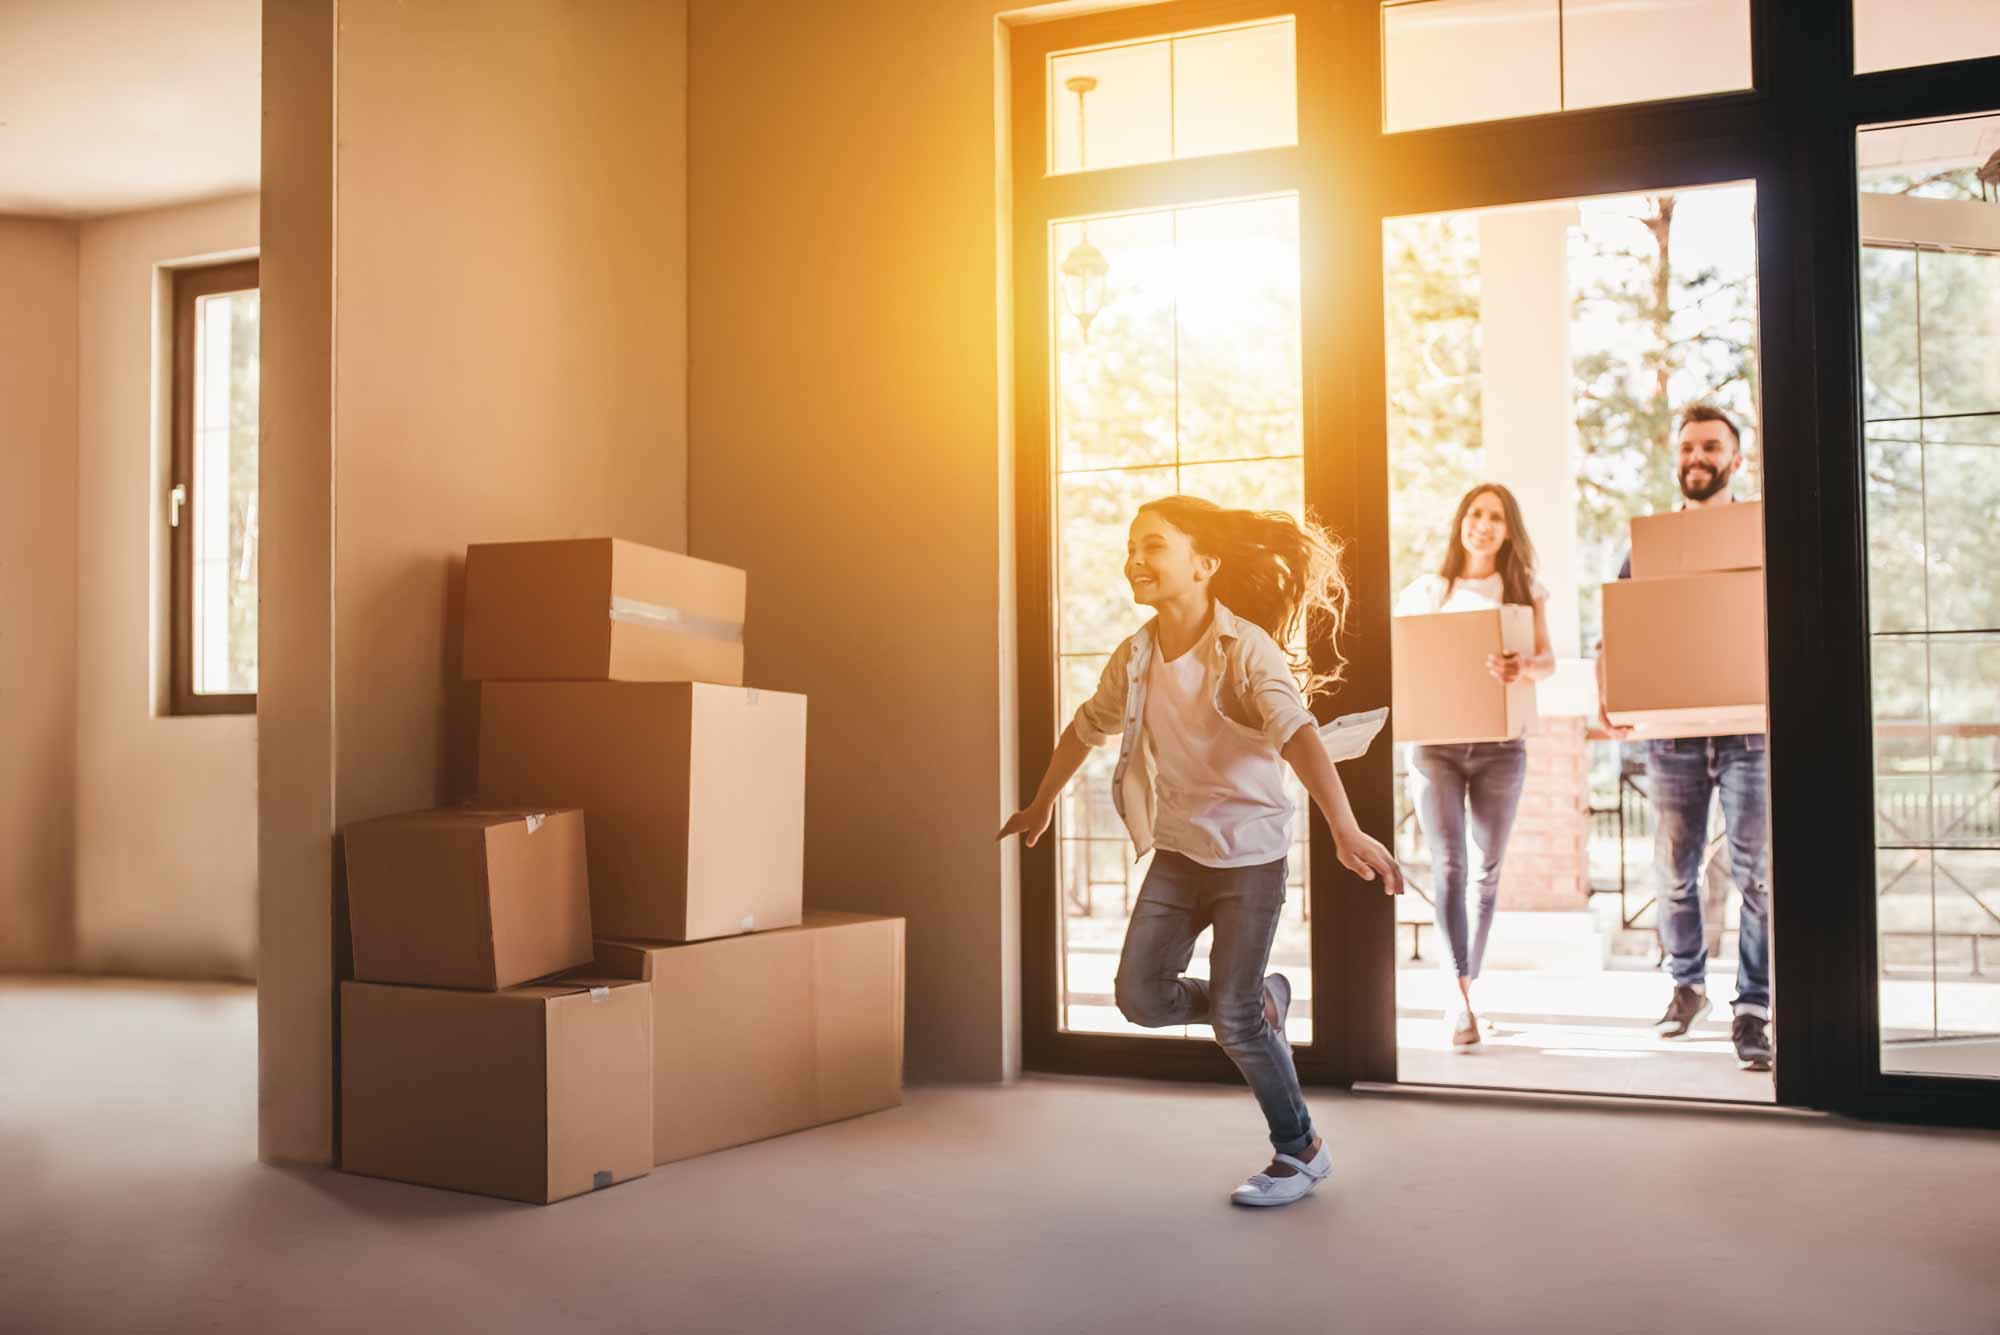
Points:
x=127, y=1130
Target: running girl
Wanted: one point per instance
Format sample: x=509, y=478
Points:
x=1209, y=704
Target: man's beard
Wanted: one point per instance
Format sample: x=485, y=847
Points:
x=1717, y=480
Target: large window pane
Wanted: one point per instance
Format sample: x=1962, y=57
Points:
x=1187, y=381
x=1896, y=34
x=1930, y=298
x=225, y=495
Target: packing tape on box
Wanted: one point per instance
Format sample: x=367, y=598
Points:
x=749, y=923
x=600, y=1179
x=536, y=823
x=599, y=995
x=655, y=616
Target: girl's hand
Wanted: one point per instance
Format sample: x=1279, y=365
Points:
x=1031, y=821
x=1367, y=858
x=1504, y=667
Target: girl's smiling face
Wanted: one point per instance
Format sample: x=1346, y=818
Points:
x=1161, y=563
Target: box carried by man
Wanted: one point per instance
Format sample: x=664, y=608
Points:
x=1684, y=655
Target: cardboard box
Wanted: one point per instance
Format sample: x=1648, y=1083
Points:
x=1441, y=688
x=473, y=898
x=696, y=796
x=600, y=609
x=534, y=1093
x=1684, y=656
x=760, y=1035
x=1697, y=541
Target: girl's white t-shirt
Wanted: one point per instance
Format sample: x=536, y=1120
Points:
x=1219, y=785
x=1426, y=594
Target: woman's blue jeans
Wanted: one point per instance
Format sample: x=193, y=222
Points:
x=1471, y=787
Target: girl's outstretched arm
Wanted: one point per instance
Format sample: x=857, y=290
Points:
x=1033, y=819
x=1359, y=853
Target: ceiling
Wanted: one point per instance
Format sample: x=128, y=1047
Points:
x=109, y=105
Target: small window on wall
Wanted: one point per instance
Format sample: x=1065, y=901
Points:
x=212, y=492
x=1191, y=95
x=1899, y=34
x=1451, y=62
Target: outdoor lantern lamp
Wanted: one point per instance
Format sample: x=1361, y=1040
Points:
x=1084, y=270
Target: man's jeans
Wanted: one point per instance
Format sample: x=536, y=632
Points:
x=1448, y=783
x=1681, y=773
x=1180, y=898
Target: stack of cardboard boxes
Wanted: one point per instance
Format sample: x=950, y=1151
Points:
x=1684, y=637
x=611, y=689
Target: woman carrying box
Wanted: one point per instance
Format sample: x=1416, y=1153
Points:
x=1489, y=561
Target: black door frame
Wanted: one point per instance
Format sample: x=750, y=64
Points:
x=1794, y=137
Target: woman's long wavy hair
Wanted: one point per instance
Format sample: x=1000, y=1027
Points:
x=1283, y=575
x=1516, y=559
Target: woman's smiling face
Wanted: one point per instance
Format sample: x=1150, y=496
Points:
x=1161, y=562
x=1484, y=531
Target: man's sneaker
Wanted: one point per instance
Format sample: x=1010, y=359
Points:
x=1753, y=1042
x=1683, y=1012
x=1277, y=1001
x=1267, y=1189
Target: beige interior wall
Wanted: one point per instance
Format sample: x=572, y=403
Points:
x=38, y=272
x=295, y=987
x=499, y=288
x=847, y=447
x=510, y=335
x=166, y=807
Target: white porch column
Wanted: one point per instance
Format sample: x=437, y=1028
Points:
x=1530, y=422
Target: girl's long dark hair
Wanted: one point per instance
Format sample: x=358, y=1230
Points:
x=1275, y=571
x=1516, y=560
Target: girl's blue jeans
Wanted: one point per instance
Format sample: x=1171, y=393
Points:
x=1179, y=898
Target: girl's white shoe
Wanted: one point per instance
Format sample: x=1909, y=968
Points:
x=1264, y=1189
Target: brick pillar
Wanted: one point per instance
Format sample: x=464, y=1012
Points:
x=1548, y=858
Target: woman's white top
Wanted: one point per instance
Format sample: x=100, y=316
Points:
x=1427, y=594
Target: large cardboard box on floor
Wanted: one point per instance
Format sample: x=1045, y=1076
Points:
x=534, y=1093
x=1698, y=541
x=463, y=897
x=695, y=795
x=600, y=609
x=1441, y=687
x=755, y=1036
x=1684, y=656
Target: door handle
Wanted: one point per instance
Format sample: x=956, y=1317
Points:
x=175, y=500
